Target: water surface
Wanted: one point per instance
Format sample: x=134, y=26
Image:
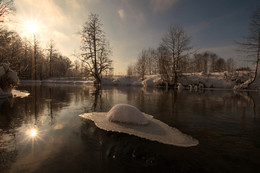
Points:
x=227, y=125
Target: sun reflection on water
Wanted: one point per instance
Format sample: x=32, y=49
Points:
x=33, y=132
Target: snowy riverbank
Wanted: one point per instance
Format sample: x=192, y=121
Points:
x=187, y=80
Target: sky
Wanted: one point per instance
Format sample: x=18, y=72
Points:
x=134, y=25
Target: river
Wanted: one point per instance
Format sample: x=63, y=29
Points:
x=226, y=123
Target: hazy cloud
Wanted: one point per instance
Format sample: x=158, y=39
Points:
x=121, y=13
x=161, y=5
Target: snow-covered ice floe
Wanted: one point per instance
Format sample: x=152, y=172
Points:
x=128, y=119
x=14, y=93
x=21, y=94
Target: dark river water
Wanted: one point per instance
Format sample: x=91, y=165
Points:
x=227, y=125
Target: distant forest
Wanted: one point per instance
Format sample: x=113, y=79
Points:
x=30, y=59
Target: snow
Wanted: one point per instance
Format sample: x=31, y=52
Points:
x=152, y=81
x=244, y=85
x=139, y=124
x=125, y=113
x=58, y=81
x=127, y=81
x=107, y=81
x=14, y=93
x=8, y=78
x=180, y=86
x=191, y=81
x=21, y=94
x=216, y=80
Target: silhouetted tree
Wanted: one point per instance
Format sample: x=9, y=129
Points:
x=251, y=45
x=201, y=62
x=177, y=43
x=142, y=64
x=130, y=70
x=95, y=48
x=164, y=64
x=230, y=65
x=52, y=50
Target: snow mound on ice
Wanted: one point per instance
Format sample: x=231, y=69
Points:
x=124, y=113
x=127, y=119
x=21, y=94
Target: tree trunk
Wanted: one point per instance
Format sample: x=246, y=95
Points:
x=256, y=70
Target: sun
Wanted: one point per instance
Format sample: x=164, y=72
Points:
x=32, y=27
x=33, y=132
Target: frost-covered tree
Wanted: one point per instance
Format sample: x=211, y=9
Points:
x=6, y=6
x=95, y=48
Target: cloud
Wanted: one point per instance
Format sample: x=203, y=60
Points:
x=121, y=13
x=161, y=5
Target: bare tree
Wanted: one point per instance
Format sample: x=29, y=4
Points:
x=201, y=62
x=130, y=70
x=230, y=65
x=6, y=6
x=52, y=51
x=152, y=61
x=142, y=64
x=164, y=64
x=251, y=45
x=221, y=65
x=176, y=42
x=95, y=48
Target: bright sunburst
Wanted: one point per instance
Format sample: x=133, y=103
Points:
x=33, y=132
x=29, y=27
x=32, y=27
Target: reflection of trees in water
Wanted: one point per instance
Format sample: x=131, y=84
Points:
x=8, y=150
x=10, y=120
x=101, y=99
x=109, y=150
x=44, y=101
x=245, y=102
x=211, y=112
x=166, y=105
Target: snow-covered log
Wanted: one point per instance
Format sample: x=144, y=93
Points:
x=8, y=80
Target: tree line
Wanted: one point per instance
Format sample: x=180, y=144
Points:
x=33, y=61
x=21, y=54
x=173, y=57
x=30, y=59
x=159, y=61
